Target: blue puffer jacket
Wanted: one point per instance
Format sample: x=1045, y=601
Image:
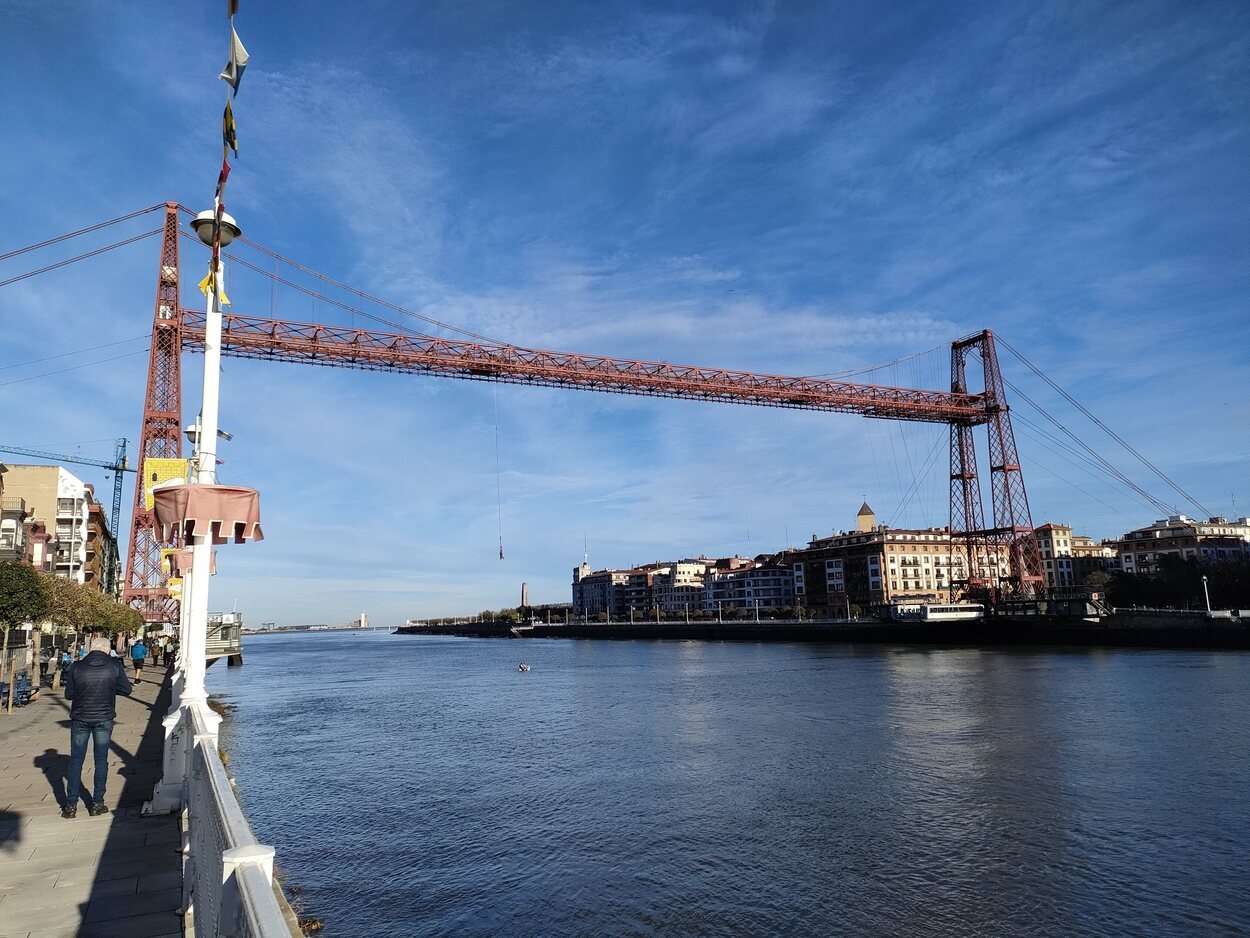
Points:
x=93, y=684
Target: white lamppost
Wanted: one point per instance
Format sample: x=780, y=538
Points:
x=1206, y=595
x=206, y=462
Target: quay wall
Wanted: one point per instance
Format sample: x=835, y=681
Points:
x=1126, y=630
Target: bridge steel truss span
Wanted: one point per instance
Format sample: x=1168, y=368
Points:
x=176, y=329
x=311, y=344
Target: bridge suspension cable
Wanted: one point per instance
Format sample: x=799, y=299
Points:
x=1045, y=441
x=1082, y=455
x=91, y=348
x=346, y=307
x=878, y=367
x=80, y=231
x=81, y=257
x=350, y=289
x=1106, y=429
x=61, y=371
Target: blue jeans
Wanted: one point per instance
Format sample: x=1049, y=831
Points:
x=101, y=735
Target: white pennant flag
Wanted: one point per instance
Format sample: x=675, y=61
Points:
x=232, y=74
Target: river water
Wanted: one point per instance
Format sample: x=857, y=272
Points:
x=422, y=785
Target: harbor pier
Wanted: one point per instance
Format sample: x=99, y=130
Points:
x=1128, y=629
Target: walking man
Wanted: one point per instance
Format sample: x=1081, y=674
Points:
x=138, y=651
x=93, y=685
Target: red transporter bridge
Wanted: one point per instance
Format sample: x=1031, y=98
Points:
x=175, y=329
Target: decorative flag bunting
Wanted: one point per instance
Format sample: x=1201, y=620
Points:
x=228, y=136
x=221, y=179
x=232, y=74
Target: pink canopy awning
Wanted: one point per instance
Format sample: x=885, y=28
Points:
x=180, y=563
x=224, y=512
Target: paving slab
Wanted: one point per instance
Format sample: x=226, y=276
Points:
x=116, y=874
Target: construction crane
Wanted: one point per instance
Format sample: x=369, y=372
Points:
x=118, y=466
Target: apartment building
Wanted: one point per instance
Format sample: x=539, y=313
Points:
x=100, y=569
x=614, y=592
x=13, y=517
x=1216, y=538
x=1054, y=543
x=873, y=566
x=683, y=586
x=679, y=586
x=1091, y=556
x=751, y=585
x=60, y=500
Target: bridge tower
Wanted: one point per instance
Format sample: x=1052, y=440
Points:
x=1012, y=530
x=161, y=433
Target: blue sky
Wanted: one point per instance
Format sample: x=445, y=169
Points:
x=797, y=188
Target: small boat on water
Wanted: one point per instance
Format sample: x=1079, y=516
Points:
x=936, y=612
x=522, y=666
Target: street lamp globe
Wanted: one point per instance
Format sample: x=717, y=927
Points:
x=203, y=226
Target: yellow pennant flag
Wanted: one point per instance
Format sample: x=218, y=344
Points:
x=210, y=282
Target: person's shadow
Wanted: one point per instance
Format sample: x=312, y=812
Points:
x=55, y=766
x=10, y=831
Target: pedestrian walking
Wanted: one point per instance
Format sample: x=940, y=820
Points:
x=138, y=651
x=93, y=685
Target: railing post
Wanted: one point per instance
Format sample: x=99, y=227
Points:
x=170, y=793
x=230, y=909
x=212, y=722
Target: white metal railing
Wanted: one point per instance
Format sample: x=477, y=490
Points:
x=222, y=847
x=227, y=875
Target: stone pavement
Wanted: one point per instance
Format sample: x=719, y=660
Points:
x=115, y=875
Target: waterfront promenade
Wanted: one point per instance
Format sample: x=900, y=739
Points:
x=115, y=875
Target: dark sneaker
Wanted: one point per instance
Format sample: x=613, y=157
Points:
x=69, y=811
x=97, y=809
